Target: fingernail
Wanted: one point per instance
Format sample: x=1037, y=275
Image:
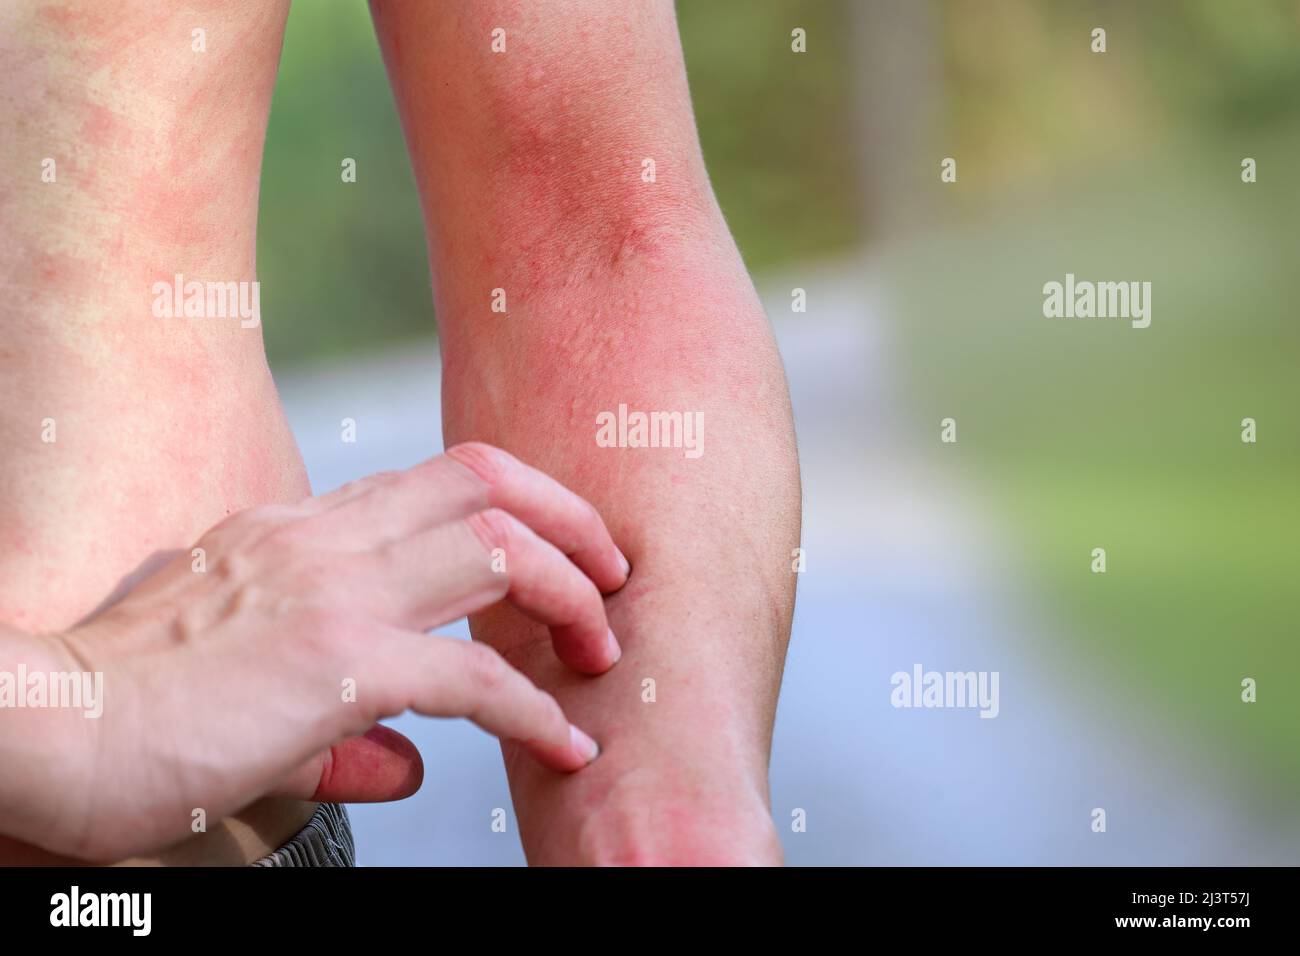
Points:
x=615, y=649
x=587, y=748
x=627, y=567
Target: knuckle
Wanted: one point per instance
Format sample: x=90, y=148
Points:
x=279, y=573
x=485, y=669
x=489, y=463
x=591, y=528
x=238, y=528
x=590, y=514
x=233, y=567
x=255, y=549
x=366, y=483
x=595, y=523
x=583, y=604
x=495, y=528
x=572, y=598
x=284, y=544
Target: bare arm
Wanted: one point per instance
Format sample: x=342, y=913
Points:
x=618, y=291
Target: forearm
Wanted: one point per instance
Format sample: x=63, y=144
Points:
x=571, y=278
x=706, y=612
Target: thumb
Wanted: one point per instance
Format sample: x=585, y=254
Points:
x=378, y=766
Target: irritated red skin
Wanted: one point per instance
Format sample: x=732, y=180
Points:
x=158, y=157
x=619, y=291
x=163, y=428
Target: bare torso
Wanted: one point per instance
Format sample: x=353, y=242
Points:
x=131, y=156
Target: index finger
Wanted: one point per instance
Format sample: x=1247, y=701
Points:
x=561, y=516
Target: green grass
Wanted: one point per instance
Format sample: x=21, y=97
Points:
x=1088, y=433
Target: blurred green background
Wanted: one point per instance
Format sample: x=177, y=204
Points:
x=1079, y=433
x=1089, y=433
x=343, y=265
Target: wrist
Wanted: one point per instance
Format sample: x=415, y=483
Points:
x=632, y=807
x=657, y=827
x=47, y=729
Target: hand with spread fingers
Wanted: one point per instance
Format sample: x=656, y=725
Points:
x=258, y=663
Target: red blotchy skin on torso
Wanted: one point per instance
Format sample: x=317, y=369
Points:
x=164, y=426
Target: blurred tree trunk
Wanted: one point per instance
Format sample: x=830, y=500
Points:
x=897, y=93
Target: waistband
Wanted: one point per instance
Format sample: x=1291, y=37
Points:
x=326, y=840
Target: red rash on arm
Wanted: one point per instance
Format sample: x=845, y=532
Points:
x=619, y=291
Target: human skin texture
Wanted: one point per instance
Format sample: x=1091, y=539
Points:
x=618, y=290
x=127, y=435
x=266, y=672
x=162, y=427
